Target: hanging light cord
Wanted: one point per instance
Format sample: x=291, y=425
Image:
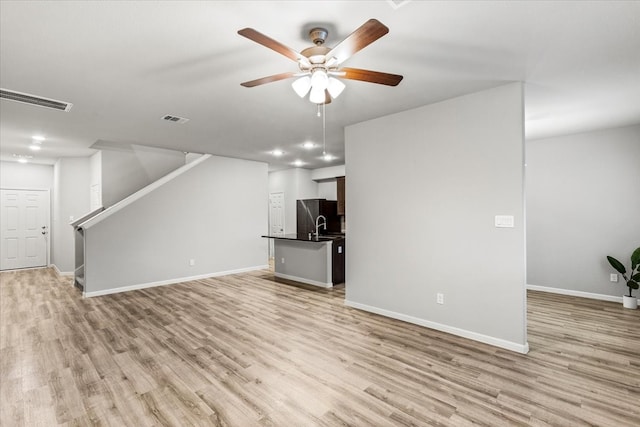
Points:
x=324, y=131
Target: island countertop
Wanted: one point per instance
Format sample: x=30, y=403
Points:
x=305, y=237
x=313, y=260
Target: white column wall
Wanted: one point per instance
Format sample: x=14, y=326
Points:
x=426, y=225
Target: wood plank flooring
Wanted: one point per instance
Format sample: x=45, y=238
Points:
x=246, y=350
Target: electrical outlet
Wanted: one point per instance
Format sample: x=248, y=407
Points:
x=440, y=298
x=282, y=261
x=192, y=262
x=613, y=277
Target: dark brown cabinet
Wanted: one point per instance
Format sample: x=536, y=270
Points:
x=338, y=261
x=341, y=195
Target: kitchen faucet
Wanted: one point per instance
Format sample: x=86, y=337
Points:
x=324, y=224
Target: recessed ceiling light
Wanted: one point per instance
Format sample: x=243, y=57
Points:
x=308, y=145
x=298, y=163
x=328, y=157
x=38, y=138
x=277, y=153
x=35, y=147
x=22, y=158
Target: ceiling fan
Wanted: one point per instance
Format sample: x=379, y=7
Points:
x=320, y=65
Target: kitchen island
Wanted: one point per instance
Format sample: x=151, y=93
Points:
x=309, y=259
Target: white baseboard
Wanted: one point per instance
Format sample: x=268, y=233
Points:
x=303, y=280
x=497, y=342
x=569, y=292
x=61, y=273
x=10, y=270
x=170, y=281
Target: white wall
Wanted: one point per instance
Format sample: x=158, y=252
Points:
x=326, y=178
x=26, y=175
x=328, y=172
x=126, y=168
x=214, y=213
x=95, y=184
x=296, y=184
x=307, y=187
x=426, y=226
x=328, y=189
x=582, y=204
x=70, y=200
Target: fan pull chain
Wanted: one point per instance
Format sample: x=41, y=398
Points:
x=324, y=131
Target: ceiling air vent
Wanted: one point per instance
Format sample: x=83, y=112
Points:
x=397, y=3
x=35, y=100
x=175, y=119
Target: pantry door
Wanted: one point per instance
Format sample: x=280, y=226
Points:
x=276, y=218
x=276, y=214
x=24, y=228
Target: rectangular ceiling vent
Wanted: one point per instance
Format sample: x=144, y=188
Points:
x=175, y=119
x=26, y=98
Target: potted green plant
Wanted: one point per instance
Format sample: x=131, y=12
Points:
x=633, y=279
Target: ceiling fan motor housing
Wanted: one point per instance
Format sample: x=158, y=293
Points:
x=318, y=35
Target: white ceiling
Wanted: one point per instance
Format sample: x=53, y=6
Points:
x=124, y=65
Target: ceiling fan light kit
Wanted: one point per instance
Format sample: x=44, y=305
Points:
x=317, y=95
x=320, y=66
x=335, y=87
x=302, y=86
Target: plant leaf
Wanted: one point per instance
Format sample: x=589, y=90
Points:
x=636, y=277
x=635, y=259
x=632, y=285
x=616, y=264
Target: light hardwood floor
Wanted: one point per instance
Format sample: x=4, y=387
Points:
x=245, y=350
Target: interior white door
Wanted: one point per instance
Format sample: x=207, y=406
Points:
x=24, y=228
x=276, y=218
x=276, y=214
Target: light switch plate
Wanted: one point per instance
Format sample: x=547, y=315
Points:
x=504, y=221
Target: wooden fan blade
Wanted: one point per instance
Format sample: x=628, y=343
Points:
x=366, y=34
x=371, y=76
x=268, y=79
x=272, y=44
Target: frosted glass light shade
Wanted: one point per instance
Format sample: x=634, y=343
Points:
x=302, y=86
x=317, y=95
x=335, y=87
x=319, y=79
